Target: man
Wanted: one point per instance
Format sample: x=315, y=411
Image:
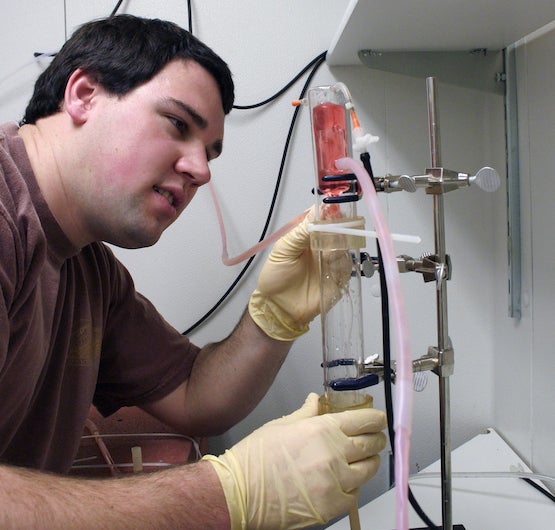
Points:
x=114, y=143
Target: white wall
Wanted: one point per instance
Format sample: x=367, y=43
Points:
x=266, y=43
x=26, y=27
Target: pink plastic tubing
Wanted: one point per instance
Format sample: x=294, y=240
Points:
x=226, y=260
x=403, y=378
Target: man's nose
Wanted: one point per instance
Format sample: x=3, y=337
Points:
x=193, y=163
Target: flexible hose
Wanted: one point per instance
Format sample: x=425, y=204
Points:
x=403, y=404
x=261, y=245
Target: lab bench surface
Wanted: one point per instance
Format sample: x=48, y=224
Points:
x=479, y=503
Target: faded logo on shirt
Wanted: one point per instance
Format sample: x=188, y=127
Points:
x=85, y=345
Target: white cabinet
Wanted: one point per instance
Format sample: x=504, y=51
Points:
x=435, y=25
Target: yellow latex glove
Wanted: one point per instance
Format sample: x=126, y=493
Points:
x=287, y=297
x=302, y=469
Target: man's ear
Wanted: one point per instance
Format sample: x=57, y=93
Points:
x=80, y=90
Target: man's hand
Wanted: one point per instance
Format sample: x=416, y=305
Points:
x=302, y=469
x=287, y=297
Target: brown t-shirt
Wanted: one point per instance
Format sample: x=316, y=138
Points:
x=73, y=330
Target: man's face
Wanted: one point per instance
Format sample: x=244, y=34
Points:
x=148, y=154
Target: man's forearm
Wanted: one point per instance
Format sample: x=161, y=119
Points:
x=230, y=378
x=185, y=497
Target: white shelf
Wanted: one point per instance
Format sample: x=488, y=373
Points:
x=435, y=25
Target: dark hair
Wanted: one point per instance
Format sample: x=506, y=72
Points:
x=123, y=52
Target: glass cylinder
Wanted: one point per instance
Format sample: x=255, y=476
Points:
x=338, y=254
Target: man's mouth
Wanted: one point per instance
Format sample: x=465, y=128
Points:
x=164, y=193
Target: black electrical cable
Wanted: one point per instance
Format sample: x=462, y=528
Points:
x=315, y=63
x=386, y=345
x=115, y=10
x=539, y=488
x=190, y=16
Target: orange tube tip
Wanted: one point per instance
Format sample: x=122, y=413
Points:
x=354, y=119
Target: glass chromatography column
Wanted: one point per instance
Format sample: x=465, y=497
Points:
x=339, y=254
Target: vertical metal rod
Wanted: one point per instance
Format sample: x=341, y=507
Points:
x=441, y=309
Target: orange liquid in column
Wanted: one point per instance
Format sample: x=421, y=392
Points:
x=330, y=134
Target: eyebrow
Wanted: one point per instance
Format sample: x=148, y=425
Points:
x=195, y=116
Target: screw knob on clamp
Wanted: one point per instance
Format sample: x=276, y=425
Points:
x=486, y=179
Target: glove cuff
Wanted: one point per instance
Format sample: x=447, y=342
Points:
x=273, y=320
x=236, y=503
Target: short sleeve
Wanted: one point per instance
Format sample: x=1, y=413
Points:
x=143, y=357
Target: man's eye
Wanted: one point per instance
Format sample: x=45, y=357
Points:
x=180, y=125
